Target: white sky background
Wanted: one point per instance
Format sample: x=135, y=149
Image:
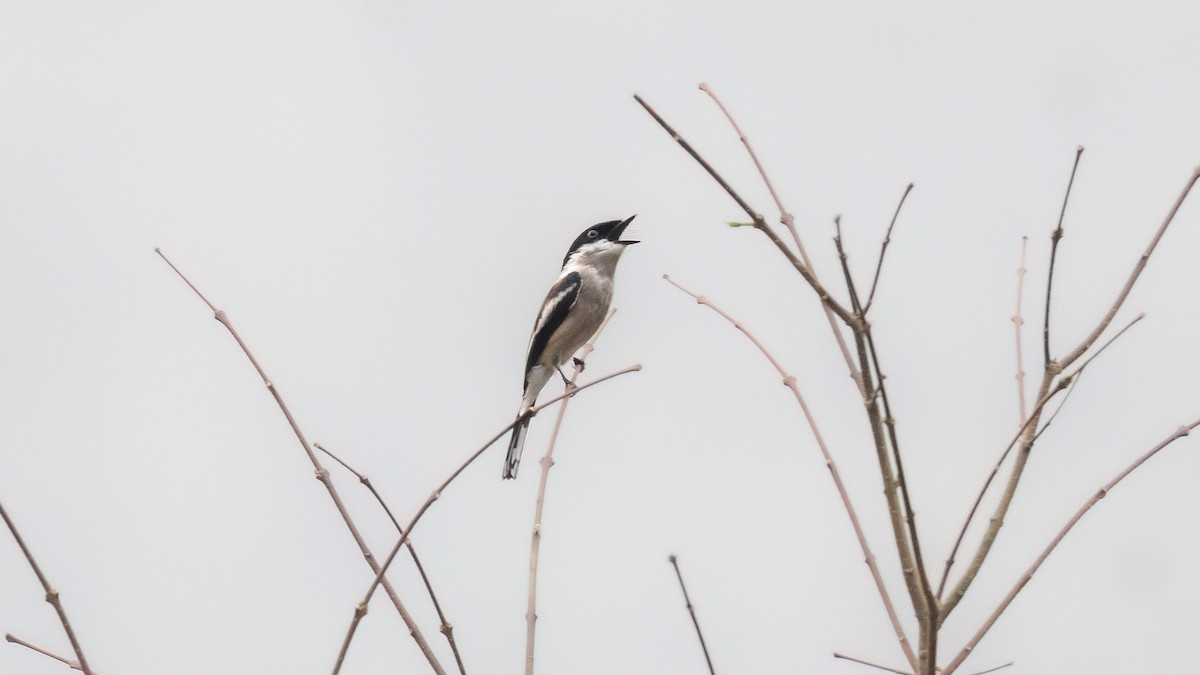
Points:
x=379, y=193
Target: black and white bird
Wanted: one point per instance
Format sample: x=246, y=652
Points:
x=574, y=308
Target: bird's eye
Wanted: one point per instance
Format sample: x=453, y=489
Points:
x=592, y=233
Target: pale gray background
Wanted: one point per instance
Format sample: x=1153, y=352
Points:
x=379, y=193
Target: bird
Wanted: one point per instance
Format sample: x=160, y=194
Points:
x=571, y=313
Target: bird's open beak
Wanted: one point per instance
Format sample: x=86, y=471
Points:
x=615, y=235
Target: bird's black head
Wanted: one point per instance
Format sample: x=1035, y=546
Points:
x=601, y=236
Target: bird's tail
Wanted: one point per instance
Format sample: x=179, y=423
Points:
x=515, y=445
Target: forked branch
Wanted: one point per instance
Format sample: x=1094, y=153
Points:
x=52, y=597
x=361, y=610
x=446, y=628
x=321, y=472
x=759, y=222
x=1016, y=589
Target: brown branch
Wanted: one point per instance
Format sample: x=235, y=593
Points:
x=785, y=216
x=1052, y=369
x=1100, y=494
x=674, y=560
x=1054, y=237
x=547, y=462
x=759, y=222
x=788, y=221
x=380, y=579
x=887, y=239
x=52, y=597
x=73, y=665
x=1018, y=322
x=446, y=628
x=1133, y=276
x=903, y=520
x=790, y=382
x=1062, y=383
x=321, y=472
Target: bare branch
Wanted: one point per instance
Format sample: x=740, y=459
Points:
x=845, y=264
x=786, y=218
x=1100, y=494
x=1018, y=323
x=887, y=239
x=446, y=627
x=73, y=665
x=692, y=611
x=1052, y=369
x=886, y=669
x=1133, y=276
x=1062, y=383
x=379, y=579
x=321, y=472
x=547, y=462
x=52, y=597
x=1054, y=237
x=790, y=382
x=759, y=222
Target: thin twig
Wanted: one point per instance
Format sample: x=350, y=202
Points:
x=845, y=264
x=759, y=222
x=380, y=579
x=886, y=669
x=321, y=472
x=887, y=239
x=52, y=597
x=790, y=382
x=1100, y=494
x=1018, y=323
x=73, y=665
x=1064, y=382
x=788, y=221
x=674, y=560
x=446, y=628
x=1054, y=237
x=547, y=462
x=785, y=216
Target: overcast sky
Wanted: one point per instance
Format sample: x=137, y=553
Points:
x=379, y=193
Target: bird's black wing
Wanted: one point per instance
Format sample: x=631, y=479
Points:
x=559, y=300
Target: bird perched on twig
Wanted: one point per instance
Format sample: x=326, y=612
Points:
x=573, y=310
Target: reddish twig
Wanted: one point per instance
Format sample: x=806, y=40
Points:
x=73, y=665
x=321, y=472
x=790, y=382
x=1100, y=494
x=52, y=597
x=788, y=221
x=547, y=462
x=446, y=628
x=1018, y=323
x=674, y=560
